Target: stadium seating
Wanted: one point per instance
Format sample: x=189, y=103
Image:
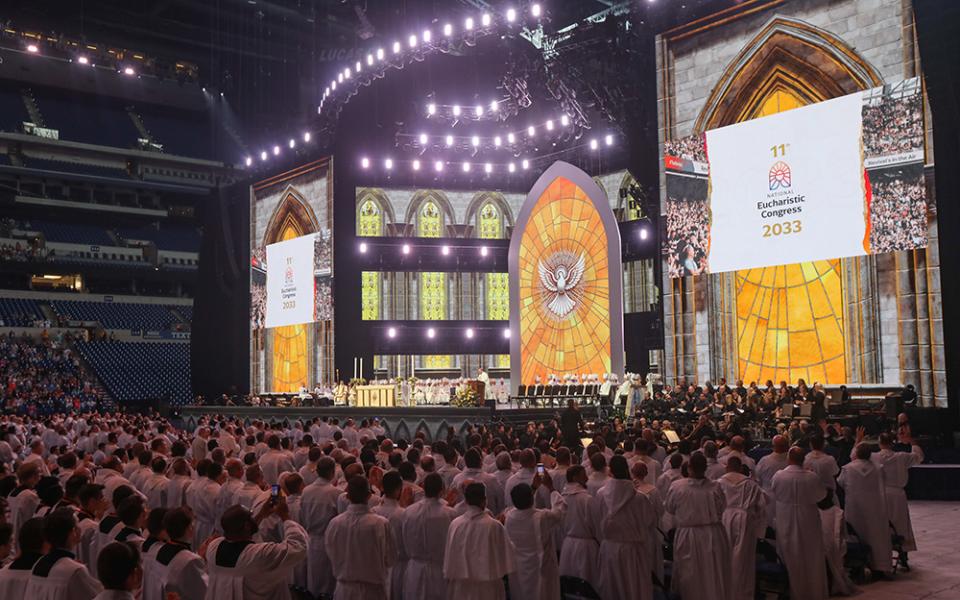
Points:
x=12, y=111
x=168, y=237
x=19, y=312
x=58, y=166
x=80, y=120
x=134, y=371
x=70, y=233
x=117, y=315
x=177, y=134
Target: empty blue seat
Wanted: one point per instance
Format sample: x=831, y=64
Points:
x=133, y=371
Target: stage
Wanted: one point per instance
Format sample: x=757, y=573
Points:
x=399, y=422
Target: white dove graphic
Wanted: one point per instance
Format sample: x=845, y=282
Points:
x=559, y=277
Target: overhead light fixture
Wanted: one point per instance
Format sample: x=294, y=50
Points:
x=416, y=165
x=478, y=110
x=292, y=143
x=564, y=120
x=549, y=125
x=83, y=60
x=431, y=109
x=469, y=333
x=445, y=250
x=449, y=140
x=448, y=30
x=380, y=53
x=511, y=15
x=466, y=167
x=594, y=145
x=485, y=20
x=483, y=250
x=263, y=155
x=412, y=40
x=510, y=138
x=494, y=106
x=643, y=233
x=358, y=67
x=392, y=332
x=396, y=47
x=128, y=71
x=497, y=141
x=365, y=162
x=511, y=167
x=608, y=140
x=438, y=166
x=388, y=164
x=248, y=161
x=456, y=110
x=535, y=10
x=306, y=136
x=406, y=248
x=475, y=141
x=276, y=150
x=363, y=247
x=431, y=332
x=531, y=131
x=423, y=139
x=468, y=24
x=346, y=73
x=369, y=59
x=525, y=164
x=488, y=168
x=427, y=36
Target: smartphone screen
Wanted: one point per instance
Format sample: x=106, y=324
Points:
x=274, y=490
x=540, y=469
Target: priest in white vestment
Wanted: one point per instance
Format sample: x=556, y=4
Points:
x=478, y=553
x=822, y=464
x=701, y=549
x=58, y=575
x=895, y=468
x=318, y=505
x=532, y=532
x=744, y=519
x=866, y=507
x=797, y=492
x=424, y=537
x=390, y=509
x=580, y=552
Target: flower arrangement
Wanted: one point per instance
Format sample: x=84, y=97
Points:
x=465, y=396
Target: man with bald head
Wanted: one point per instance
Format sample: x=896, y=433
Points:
x=252, y=486
x=796, y=492
x=744, y=519
x=318, y=505
x=230, y=487
x=865, y=506
x=525, y=474
x=768, y=466
x=737, y=448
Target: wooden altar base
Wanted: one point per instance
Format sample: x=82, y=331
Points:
x=400, y=422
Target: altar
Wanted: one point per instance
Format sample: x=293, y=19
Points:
x=376, y=395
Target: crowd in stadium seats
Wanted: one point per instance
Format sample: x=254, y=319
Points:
x=688, y=233
x=689, y=148
x=898, y=212
x=21, y=312
x=893, y=126
x=43, y=377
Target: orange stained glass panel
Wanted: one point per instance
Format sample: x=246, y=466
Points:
x=290, y=361
x=564, y=220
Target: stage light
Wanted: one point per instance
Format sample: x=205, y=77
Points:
x=483, y=250
x=608, y=140
x=128, y=71
x=412, y=40
x=510, y=138
x=292, y=143
x=448, y=30
x=468, y=24
x=380, y=53
x=643, y=233
x=511, y=167
x=248, y=161
x=478, y=110
x=391, y=333
x=369, y=60
x=564, y=120
x=276, y=150
x=594, y=145
x=466, y=167
x=358, y=67
x=365, y=162
x=475, y=141
x=456, y=110
x=431, y=109
x=406, y=248
x=488, y=168
x=32, y=48
x=469, y=333
x=306, y=136
x=497, y=141
x=363, y=247
x=449, y=140
x=525, y=164
x=511, y=15
x=263, y=155
x=438, y=166
x=416, y=165
x=326, y=91
x=388, y=164
x=346, y=72
x=426, y=36
x=396, y=47
x=485, y=20
x=531, y=131
x=445, y=250
x=506, y=333
x=549, y=125
x=535, y=10
x=83, y=60
x=333, y=85
x=423, y=139
x=340, y=77
x=431, y=333
x=494, y=106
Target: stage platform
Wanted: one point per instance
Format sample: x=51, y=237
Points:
x=399, y=422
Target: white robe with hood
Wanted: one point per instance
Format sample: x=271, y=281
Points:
x=626, y=531
x=797, y=492
x=744, y=519
x=477, y=555
x=531, y=531
x=701, y=550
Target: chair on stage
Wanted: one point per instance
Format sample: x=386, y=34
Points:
x=574, y=588
x=521, y=395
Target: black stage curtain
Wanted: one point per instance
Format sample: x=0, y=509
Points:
x=938, y=30
x=220, y=340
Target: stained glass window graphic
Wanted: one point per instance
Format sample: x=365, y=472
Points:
x=370, y=224
x=433, y=286
x=289, y=346
x=497, y=284
x=790, y=317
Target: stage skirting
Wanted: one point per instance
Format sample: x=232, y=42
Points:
x=399, y=422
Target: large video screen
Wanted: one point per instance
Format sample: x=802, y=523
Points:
x=830, y=180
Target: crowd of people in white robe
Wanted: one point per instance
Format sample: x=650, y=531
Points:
x=112, y=507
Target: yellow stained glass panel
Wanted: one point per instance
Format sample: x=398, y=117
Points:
x=289, y=348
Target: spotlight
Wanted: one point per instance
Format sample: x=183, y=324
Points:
x=456, y=110
x=475, y=141
x=643, y=233
x=380, y=53
x=416, y=164
x=488, y=168
x=365, y=162
x=306, y=136
x=525, y=164
x=248, y=161
x=423, y=139
x=396, y=47
x=478, y=110
x=438, y=166
x=483, y=250
x=511, y=167
x=466, y=167
x=531, y=131
x=469, y=333
x=426, y=36
x=535, y=10
x=431, y=333
x=276, y=150
x=449, y=140
x=564, y=120
x=510, y=138
x=497, y=141
x=412, y=40
x=406, y=248
x=431, y=109
x=128, y=71
x=485, y=20
x=333, y=85
x=340, y=77
x=494, y=106
x=292, y=143
x=445, y=250
x=391, y=333
x=594, y=145
x=549, y=125
x=388, y=164
x=32, y=48
x=346, y=73
x=263, y=155
x=448, y=30
x=468, y=24
x=358, y=67
x=363, y=247
x=608, y=140
x=83, y=60
x=506, y=333
x=369, y=59
x=511, y=15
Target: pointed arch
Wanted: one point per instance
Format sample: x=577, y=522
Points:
x=437, y=197
x=791, y=55
x=379, y=200
x=480, y=200
x=293, y=212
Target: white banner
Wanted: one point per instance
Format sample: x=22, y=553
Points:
x=290, y=282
